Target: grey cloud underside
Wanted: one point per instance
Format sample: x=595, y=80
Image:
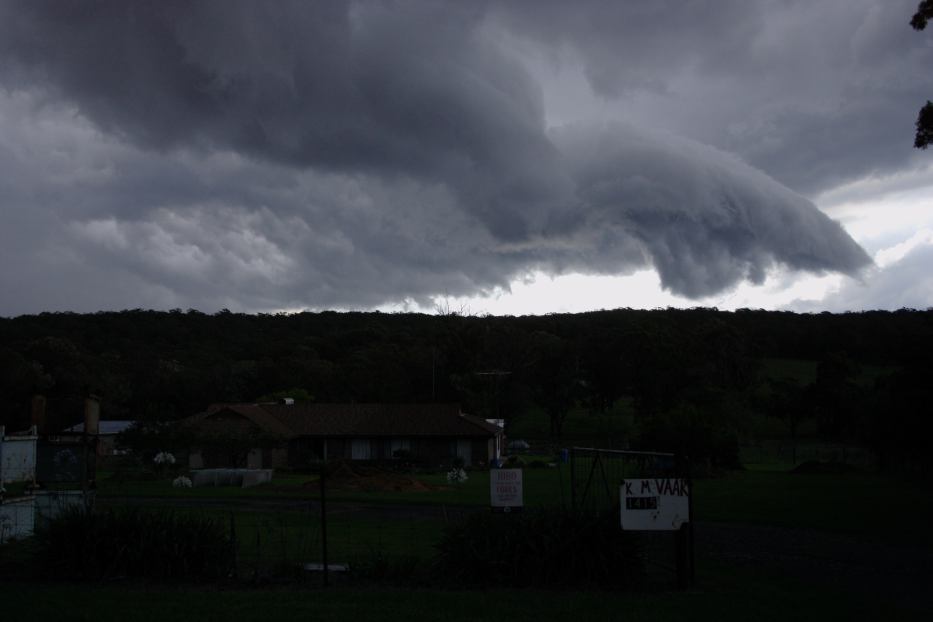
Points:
x=268, y=155
x=706, y=219
x=387, y=92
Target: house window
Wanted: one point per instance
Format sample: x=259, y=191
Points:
x=465, y=451
x=360, y=449
x=399, y=444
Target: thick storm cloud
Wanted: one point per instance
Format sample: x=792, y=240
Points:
x=371, y=88
x=814, y=92
x=706, y=219
x=279, y=155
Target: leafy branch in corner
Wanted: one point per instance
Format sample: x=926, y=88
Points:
x=925, y=119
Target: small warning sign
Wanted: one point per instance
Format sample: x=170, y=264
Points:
x=654, y=504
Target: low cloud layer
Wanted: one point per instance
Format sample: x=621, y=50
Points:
x=280, y=155
x=902, y=279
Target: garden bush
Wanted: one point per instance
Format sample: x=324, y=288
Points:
x=160, y=546
x=707, y=439
x=540, y=548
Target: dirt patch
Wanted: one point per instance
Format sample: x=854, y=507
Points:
x=374, y=479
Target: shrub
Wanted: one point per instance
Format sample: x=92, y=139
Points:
x=709, y=441
x=457, y=476
x=164, y=458
x=161, y=546
x=541, y=548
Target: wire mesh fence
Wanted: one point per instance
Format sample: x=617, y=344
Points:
x=381, y=523
x=286, y=538
x=287, y=543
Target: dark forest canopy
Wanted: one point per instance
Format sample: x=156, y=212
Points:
x=181, y=361
x=668, y=365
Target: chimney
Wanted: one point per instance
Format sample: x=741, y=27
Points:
x=37, y=414
x=91, y=414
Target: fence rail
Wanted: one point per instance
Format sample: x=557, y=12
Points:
x=595, y=475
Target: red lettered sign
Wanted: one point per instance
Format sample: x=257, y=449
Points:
x=505, y=489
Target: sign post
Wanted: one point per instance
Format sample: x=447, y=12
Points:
x=661, y=504
x=505, y=490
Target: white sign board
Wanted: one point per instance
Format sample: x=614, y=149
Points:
x=661, y=504
x=505, y=489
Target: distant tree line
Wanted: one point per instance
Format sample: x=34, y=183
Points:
x=693, y=378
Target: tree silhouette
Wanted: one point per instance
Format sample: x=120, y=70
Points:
x=923, y=15
x=924, y=127
x=925, y=119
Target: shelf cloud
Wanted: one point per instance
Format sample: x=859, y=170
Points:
x=291, y=154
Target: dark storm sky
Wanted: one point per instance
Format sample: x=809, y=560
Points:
x=261, y=156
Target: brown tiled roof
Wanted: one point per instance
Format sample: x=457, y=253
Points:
x=251, y=412
x=357, y=420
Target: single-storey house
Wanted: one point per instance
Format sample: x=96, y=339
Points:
x=289, y=434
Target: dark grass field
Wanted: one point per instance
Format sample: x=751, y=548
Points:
x=771, y=545
x=854, y=502
x=721, y=594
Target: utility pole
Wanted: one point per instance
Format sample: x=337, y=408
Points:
x=324, y=521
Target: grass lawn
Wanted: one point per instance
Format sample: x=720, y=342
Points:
x=541, y=487
x=803, y=371
x=846, y=503
x=289, y=537
x=855, y=503
x=285, y=484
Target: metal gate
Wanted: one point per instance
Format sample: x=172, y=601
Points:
x=596, y=476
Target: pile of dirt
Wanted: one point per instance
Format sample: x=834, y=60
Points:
x=815, y=467
x=374, y=479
